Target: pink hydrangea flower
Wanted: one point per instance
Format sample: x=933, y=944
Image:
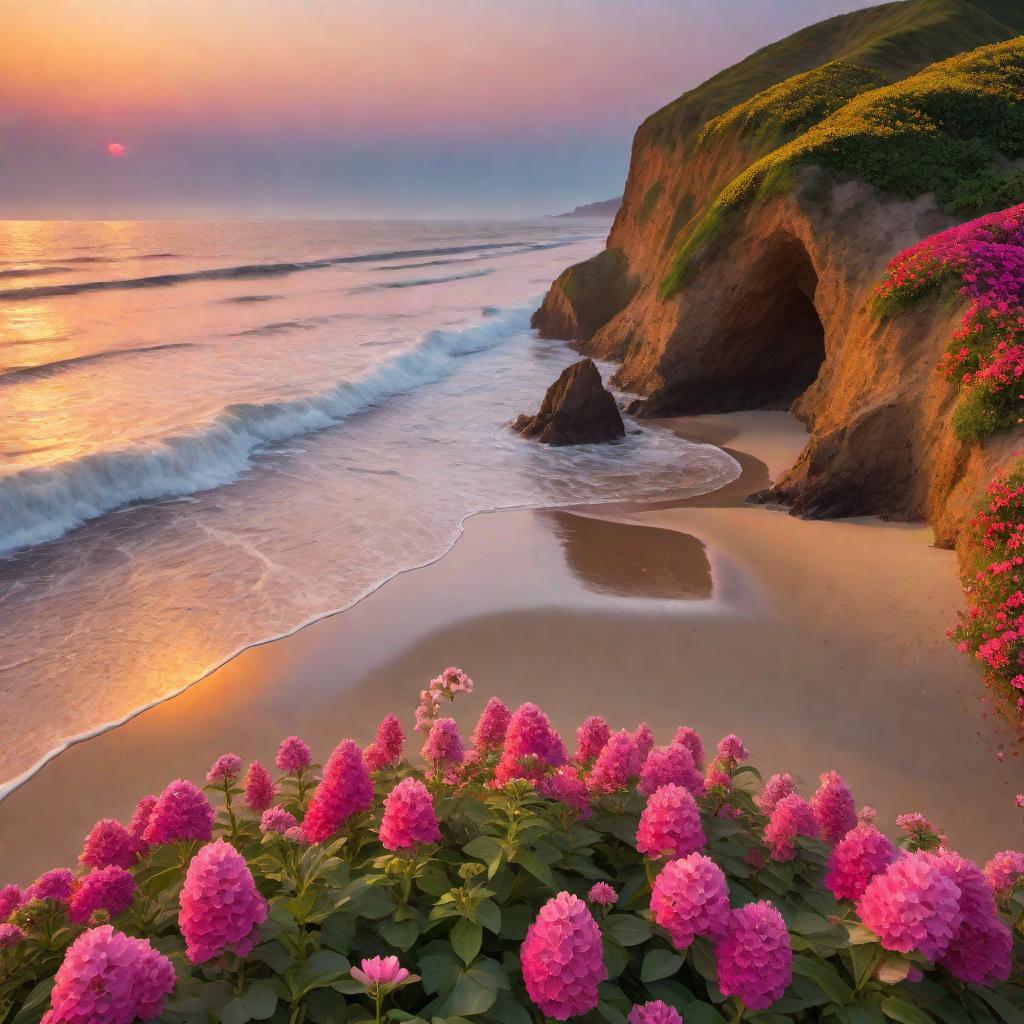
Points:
x=690, y=897
x=913, y=904
x=10, y=899
x=220, y=905
x=531, y=747
x=755, y=956
x=55, y=884
x=779, y=785
x=451, y=682
x=111, y=889
x=293, y=756
x=671, y=764
x=380, y=973
x=10, y=935
x=691, y=739
x=644, y=740
x=867, y=815
x=225, y=769
x=834, y=808
x=489, y=734
x=443, y=748
x=732, y=750
x=181, y=812
x=1003, y=872
x=920, y=831
x=296, y=835
x=791, y=817
x=388, y=745
x=591, y=737
x=565, y=786
x=617, y=766
x=860, y=855
x=140, y=817
x=409, y=817
x=670, y=824
x=563, y=959
x=260, y=790
x=654, y=1012
x=602, y=895
x=109, y=842
x=277, y=819
x=344, y=790
x=109, y=978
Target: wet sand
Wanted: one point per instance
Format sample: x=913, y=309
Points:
x=822, y=644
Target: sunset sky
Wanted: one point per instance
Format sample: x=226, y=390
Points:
x=353, y=108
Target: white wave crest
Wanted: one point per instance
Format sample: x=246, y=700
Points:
x=39, y=505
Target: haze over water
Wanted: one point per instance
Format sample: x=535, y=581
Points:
x=213, y=433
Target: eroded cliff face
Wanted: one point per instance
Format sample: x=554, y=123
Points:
x=776, y=313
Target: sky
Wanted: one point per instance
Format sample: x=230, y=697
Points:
x=348, y=108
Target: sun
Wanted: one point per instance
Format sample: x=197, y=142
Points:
x=115, y=149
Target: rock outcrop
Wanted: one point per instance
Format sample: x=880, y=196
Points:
x=577, y=409
x=740, y=270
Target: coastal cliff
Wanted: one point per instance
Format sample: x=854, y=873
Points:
x=759, y=216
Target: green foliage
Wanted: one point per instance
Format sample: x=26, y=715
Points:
x=650, y=198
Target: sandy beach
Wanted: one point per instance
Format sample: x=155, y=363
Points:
x=822, y=644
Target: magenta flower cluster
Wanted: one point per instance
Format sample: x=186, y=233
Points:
x=860, y=855
x=654, y=1012
x=670, y=824
x=260, y=790
x=792, y=816
x=443, y=748
x=690, y=897
x=110, y=843
x=835, y=810
x=591, y=736
x=489, y=734
x=388, y=745
x=562, y=958
x=617, y=766
x=532, y=746
x=671, y=764
x=344, y=790
x=293, y=755
x=111, y=889
x=221, y=908
x=409, y=817
x=755, y=956
x=180, y=812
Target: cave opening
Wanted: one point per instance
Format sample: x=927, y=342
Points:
x=770, y=345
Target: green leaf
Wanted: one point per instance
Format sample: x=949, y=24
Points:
x=326, y=1007
x=515, y=921
x=906, y=1013
x=660, y=963
x=258, y=1002
x=488, y=913
x=439, y=973
x=541, y=871
x=827, y=978
x=487, y=849
x=616, y=959
x=476, y=990
x=466, y=938
x=507, y=1010
x=1003, y=1007
x=702, y=1013
x=32, y=1009
x=627, y=929
x=610, y=1012
x=400, y=934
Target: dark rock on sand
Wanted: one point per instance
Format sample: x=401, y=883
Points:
x=577, y=409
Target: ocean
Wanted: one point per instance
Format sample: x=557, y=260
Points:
x=212, y=434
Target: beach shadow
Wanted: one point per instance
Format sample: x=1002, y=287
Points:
x=623, y=560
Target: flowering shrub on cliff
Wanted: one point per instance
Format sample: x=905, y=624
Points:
x=511, y=885
x=984, y=261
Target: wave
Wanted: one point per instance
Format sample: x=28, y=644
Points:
x=33, y=271
x=250, y=298
x=251, y=270
x=18, y=374
x=39, y=505
x=417, y=282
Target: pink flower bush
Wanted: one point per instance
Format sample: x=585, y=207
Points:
x=691, y=739
x=920, y=831
x=109, y=842
x=10, y=899
x=617, y=766
x=489, y=734
x=654, y=1012
x=221, y=908
x=791, y=817
x=671, y=764
x=451, y=682
x=140, y=817
x=409, y=817
x=277, y=819
x=260, y=791
x=591, y=737
x=531, y=748
x=913, y=905
x=1003, y=872
x=10, y=935
x=644, y=740
x=344, y=790
x=388, y=745
x=110, y=888
x=293, y=756
x=563, y=959
x=602, y=895
x=670, y=824
x=565, y=786
x=226, y=768
x=755, y=956
x=443, y=749
x=109, y=978
x=180, y=812
x=56, y=885
x=860, y=855
x=732, y=751
x=834, y=808
x=778, y=786
x=690, y=897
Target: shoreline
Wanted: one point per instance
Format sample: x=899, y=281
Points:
x=665, y=573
